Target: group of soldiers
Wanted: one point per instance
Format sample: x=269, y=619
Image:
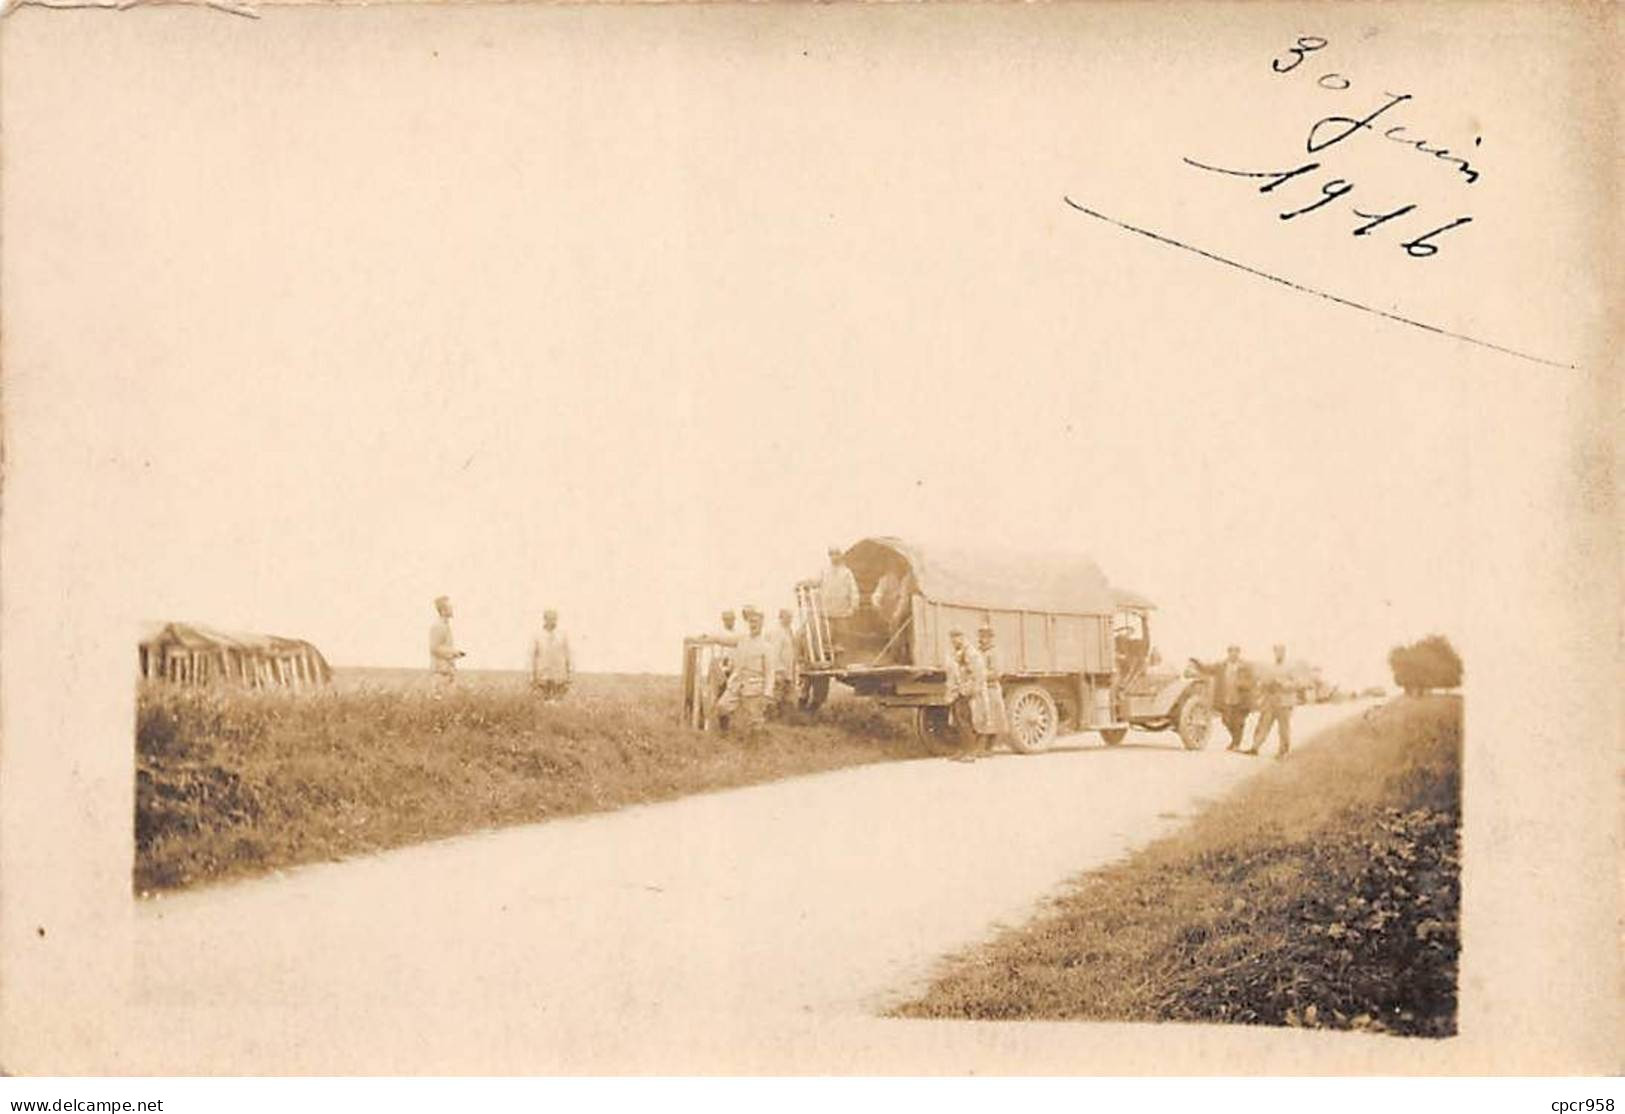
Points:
x=551, y=669
x=1240, y=688
x=754, y=672
x=751, y=672
x=978, y=712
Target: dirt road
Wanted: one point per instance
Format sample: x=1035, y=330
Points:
x=610, y=942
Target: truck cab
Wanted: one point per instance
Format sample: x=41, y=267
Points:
x=1151, y=695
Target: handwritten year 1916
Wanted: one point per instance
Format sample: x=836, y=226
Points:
x=1329, y=131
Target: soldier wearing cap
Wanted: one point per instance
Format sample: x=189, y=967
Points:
x=550, y=667
x=995, y=719
x=1232, y=691
x=722, y=643
x=838, y=588
x=967, y=692
x=786, y=662
x=751, y=682
x=443, y=652
x=1278, y=687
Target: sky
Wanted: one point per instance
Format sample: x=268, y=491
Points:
x=634, y=326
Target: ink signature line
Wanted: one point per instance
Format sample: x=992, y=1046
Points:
x=1311, y=290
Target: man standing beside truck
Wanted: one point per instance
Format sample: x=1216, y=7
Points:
x=995, y=718
x=967, y=693
x=751, y=682
x=786, y=664
x=1232, y=691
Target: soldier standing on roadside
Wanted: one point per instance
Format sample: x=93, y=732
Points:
x=550, y=667
x=1232, y=692
x=752, y=678
x=1279, y=688
x=723, y=644
x=995, y=719
x=839, y=599
x=967, y=689
x=786, y=665
x=443, y=653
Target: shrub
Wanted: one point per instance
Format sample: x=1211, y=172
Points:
x=1431, y=663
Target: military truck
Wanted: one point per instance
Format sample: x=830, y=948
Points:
x=1075, y=653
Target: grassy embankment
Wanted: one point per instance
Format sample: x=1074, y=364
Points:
x=238, y=783
x=1323, y=894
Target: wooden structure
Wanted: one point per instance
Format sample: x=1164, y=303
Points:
x=192, y=654
x=1073, y=651
x=698, y=697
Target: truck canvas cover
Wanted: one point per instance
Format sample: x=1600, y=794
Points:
x=1059, y=583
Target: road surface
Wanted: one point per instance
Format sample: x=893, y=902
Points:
x=677, y=936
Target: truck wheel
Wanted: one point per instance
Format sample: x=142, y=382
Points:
x=1112, y=736
x=1195, y=718
x=931, y=726
x=812, y=693
x=1033, y=718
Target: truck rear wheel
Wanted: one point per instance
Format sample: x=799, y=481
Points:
x=1033, y=718
x=1195, y=718
x=932, y=727
x=812, y=693
x=1112, y=736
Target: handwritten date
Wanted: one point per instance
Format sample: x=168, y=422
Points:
x=1328, y=132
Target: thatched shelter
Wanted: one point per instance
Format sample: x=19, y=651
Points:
x=192, y=654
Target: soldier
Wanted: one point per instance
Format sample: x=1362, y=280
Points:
x=996, y=720
x=786, y=664
x=721, y=667
x=443, y=654
x=892, y=599
x=550, y=667
x=1279, y=688
x=967, y=689
x=1232, y=691
x=838, y=588
x=752, y=679
x=728, y=636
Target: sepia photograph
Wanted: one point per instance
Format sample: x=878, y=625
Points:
x=859, y=539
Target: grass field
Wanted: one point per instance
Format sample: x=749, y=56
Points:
x=235, y=783
x=1322, y=894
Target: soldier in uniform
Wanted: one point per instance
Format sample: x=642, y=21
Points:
x=996, y=720
x=550, y=666
x=752, y=679
x=443, y=653
x=786, y=663
x=967, y=690
x=838, y=588
x=721, y=668
x=1232, y=691
x=840, y=600
x=892, y=599
x=1278, y=688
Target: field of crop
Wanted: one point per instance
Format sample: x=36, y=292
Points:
x=1322, y=894
x=234, y=783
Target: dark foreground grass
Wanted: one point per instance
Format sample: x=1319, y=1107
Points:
x=1323, y=894
x=237, y=783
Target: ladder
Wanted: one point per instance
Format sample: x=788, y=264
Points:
x=815, y=634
